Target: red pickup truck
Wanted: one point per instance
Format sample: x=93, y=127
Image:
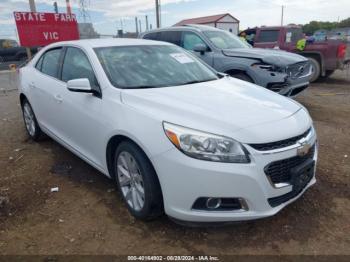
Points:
x=325, y=56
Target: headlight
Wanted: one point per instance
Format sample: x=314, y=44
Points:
x=206, y=146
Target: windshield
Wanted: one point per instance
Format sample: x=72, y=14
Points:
x=225, y=40
x=152, y=66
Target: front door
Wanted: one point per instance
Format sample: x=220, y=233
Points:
x=190, y=40
x=81, y=116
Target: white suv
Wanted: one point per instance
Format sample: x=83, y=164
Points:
x=174, y=134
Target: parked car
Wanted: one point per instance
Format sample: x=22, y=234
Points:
x=11, y=51
x=325, y=56
x=174, y=134
x=285, y=73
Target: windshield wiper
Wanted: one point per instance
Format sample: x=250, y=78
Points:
x=198, y=81
x=140, y=87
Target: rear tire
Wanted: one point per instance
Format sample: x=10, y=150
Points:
x=316, y=69
x=137, y=182
x=30, y=121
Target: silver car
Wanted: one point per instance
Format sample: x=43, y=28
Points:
x=285, y=73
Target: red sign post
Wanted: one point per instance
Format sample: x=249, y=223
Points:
x=40, y=29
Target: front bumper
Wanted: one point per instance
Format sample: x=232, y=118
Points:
x=184, y=180
x=296, y=85
x=282, y=83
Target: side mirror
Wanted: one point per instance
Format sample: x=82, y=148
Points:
x=200, y=48
x=81, y=85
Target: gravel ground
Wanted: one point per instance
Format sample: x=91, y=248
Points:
x=86, y=215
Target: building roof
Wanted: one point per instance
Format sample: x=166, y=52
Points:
x=204, y=19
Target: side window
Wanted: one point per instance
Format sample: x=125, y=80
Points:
x=76, y=65
x=268, y=36
x=50, y=62
x=190, y=40
x=295, y=34
x=173, y=37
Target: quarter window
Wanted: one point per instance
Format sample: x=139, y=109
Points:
x=76, y=65
x=190, y=40
x=39, y=63
x=50, y=62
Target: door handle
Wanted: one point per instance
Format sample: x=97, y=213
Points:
x=58, y=99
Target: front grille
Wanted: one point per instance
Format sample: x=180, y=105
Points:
x=298, y=70
x=281, y=143
x=280, y=171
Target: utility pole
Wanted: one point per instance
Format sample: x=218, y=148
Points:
x=157, y=14
x=282, y=15
x=140, y=29
x=55, y=7
x=136, y=24
x=69, y=9
x=32, y=9
x=32, y=6
x=147, y=23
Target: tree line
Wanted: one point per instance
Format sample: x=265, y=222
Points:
x=313, y=26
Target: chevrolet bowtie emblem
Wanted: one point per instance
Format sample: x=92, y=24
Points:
x=304, y=147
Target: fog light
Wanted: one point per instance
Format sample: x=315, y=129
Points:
x=213, y=203
x=220, y=204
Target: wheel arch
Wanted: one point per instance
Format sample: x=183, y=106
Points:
x=233, y=72
x=241, y=68
x=319, y=57
x=112, y=145
x=22, y=98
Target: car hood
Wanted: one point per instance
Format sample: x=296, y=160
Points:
x=214, y=106
x=269, y=56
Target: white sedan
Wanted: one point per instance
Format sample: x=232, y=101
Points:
x=175, y=135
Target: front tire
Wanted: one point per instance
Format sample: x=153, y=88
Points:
x=30, y=122
x=316, y=69
x=137, y=182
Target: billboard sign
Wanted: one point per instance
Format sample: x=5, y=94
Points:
x=40, y=29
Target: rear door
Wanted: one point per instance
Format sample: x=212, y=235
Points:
x=293, y=35
x=173, y=37
x=44, y=88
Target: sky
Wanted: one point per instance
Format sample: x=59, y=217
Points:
x=110, y=15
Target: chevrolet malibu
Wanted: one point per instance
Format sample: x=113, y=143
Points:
x=175, y=135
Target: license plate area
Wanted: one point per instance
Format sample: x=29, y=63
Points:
x=302, y=175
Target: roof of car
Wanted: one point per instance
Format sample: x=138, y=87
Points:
x=93, y=43
x=183, y=27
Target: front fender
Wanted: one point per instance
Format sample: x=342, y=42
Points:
x=260, y=76
x=238, y=65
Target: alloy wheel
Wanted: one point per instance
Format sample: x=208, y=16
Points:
x=29, y=119
x=130, y=181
